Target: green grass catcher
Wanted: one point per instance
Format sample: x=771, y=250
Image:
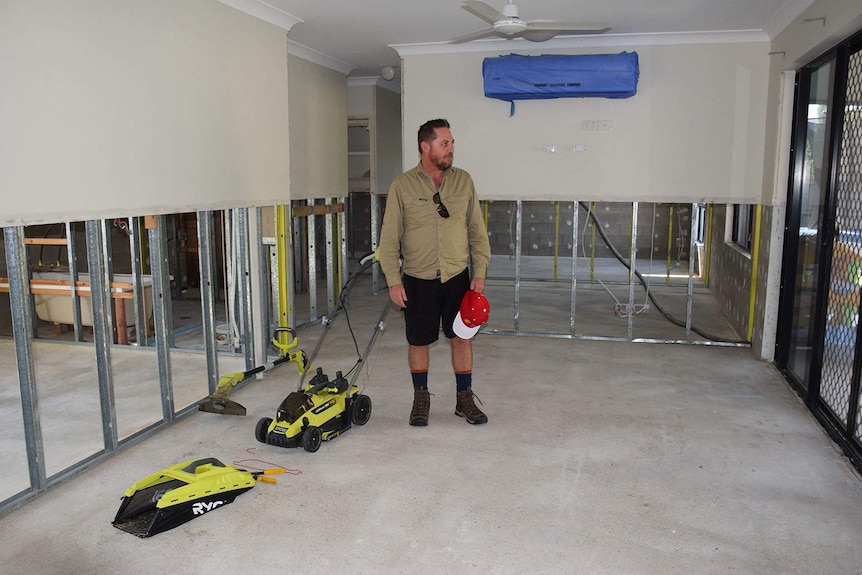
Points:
x=180, y=493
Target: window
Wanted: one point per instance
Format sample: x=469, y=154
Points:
x=700, y=223
x=743, y=219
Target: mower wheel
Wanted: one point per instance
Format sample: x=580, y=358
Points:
x=262, y=429
x=311, y=438
x=360, y=410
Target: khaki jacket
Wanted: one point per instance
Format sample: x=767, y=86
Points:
x=430, y=245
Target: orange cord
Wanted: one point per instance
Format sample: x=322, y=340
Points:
x=270, y=469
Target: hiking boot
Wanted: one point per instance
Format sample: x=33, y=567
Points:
x=421, y=406
x=464, y=407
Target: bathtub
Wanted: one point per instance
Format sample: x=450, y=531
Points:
x=57, y=307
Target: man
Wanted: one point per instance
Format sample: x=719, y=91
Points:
x=433, y=221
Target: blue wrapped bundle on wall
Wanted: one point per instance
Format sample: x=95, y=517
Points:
x=517, y=77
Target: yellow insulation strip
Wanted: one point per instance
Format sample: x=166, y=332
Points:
x=282, y=229
x=755, y=254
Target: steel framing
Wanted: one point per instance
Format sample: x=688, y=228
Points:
x=334, y=253
x=99, y=266
x=518, y=279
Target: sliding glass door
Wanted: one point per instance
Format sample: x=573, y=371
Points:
x=806, y=211
x=819, y=344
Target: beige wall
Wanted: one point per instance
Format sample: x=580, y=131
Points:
x=129, y=108
x=694, y=130
x=318, y=130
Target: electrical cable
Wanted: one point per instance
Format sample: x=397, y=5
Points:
x=594, y=275
x=656, y=304
x=364, y=263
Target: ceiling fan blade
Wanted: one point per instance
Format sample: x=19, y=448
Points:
x=484, y=11
x=565, y=27
x=473, y=36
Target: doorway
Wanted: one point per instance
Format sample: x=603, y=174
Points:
x=819, y=345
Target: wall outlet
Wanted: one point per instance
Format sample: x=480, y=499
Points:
x=605, y=125
x=589, y=125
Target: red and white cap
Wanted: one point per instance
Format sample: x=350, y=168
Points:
x=473, y=314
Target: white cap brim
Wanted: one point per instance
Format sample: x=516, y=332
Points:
x=462, y=330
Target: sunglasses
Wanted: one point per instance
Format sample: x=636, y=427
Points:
x=441, y=207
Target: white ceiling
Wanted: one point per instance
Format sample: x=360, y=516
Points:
x=356, y=36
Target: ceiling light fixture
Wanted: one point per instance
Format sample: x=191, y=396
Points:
x=510, y=26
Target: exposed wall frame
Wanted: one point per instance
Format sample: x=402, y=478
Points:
x=71, y=255
x=161, y=310
x=206, y=259
x=518, y=282
x=100, y=295
x=104, y=330
x=333, y=252
x=22, y=318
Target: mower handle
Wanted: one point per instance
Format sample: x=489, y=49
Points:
x=192, y=467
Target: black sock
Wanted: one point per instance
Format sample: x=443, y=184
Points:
x=463, y=381
x=420, y=379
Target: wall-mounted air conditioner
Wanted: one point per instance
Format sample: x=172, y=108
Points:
x=517, y=77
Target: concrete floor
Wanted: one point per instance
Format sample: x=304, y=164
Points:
x=599, y=458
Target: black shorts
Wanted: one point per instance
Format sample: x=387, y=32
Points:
x=430, y=302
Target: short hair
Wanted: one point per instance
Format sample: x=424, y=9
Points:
x=427, y=133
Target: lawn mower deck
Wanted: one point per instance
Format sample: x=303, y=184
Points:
x=323, y=410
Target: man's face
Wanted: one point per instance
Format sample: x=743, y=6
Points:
x=442, y=149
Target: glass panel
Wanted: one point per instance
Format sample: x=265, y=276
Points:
x=845, y=279
x=811, y=189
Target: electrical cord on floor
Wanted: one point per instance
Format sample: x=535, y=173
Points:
x=619, y=305
x=598, y=227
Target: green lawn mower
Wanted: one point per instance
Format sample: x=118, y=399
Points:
x=321, y=411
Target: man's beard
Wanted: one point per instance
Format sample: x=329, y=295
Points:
x=444, y=163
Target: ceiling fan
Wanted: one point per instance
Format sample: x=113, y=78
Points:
x=508, y=24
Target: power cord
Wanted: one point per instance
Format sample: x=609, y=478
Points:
x=656, y=304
